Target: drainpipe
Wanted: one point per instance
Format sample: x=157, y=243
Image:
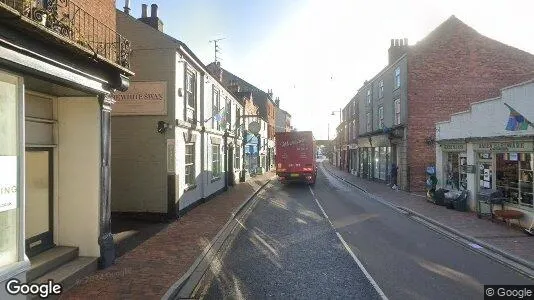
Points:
x=200, y=104
x=225, y=136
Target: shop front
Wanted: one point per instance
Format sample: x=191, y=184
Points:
x=491, y=147
x=507, y=166
x=374, y=158
x=353, y=158
x=55, y=104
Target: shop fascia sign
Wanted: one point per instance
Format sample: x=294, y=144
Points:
x=141, y=98
x=454, y=147
x=512, y=146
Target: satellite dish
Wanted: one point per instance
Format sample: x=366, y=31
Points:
x=254, y=127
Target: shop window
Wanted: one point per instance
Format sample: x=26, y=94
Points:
x=383, y=159
x=485, y=171
x=455, y=171
x=514, y=174
x=10, y=182
x=376, y=162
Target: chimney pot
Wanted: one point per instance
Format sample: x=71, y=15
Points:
x=392, y=42
x=405, y=42
x=144, y=11
x=127, y=7
x=154, y=11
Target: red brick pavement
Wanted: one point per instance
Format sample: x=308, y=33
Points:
x=150, y=269
x=506, y=238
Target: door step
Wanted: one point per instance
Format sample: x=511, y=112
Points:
x=71, y=273
x=61, y=265
x=49, y=260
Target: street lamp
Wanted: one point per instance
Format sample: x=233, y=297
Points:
x=334, y=113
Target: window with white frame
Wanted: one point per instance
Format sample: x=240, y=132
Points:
x=354, y=133
x=190, y=96
x=237, y=163
x=354, y=106
x=228, y=112
x=369, y=96
x=369, y=122
x=380, y=89
x=238, y=121
x=216, y=106
x=190, y=173
x=397, y=104
x=380, y=117
x=215, y=161
x=397, y=78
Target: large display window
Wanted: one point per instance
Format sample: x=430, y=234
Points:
x=455, y=171
x=10, y=178
x=514, y=176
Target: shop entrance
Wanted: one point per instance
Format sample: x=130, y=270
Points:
x=39, y=195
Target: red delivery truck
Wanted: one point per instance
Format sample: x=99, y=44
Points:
x=295, y=156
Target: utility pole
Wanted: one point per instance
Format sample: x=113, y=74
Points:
x=216, y=47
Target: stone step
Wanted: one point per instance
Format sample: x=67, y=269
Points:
x=50, y=260
x=70, y=273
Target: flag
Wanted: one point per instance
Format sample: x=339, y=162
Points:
x=516, y=121
x=218, y=116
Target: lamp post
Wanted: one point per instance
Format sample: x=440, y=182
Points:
x=338, y=137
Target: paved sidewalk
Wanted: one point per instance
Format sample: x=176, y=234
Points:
x=148, y=271
x=498, y=234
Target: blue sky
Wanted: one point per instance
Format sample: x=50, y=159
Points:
x=315, y=54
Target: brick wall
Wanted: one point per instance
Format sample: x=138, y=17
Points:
x=102, y=10
x=449, y=69
x=271, y=119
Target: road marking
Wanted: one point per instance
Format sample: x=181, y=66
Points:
x=358, y=262
x=371, y=280
x=321, y=207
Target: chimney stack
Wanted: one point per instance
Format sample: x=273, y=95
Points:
x=144, y=11
x=127, y=7
x=152, y=21
x=154, y=11
x=397, y=48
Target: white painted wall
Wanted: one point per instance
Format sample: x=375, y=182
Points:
x=79, y=162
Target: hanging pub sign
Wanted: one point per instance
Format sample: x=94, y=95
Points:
x=454, y=147
x=510, y=146
x=141, y=98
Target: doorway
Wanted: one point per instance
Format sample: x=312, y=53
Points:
x=39, y=203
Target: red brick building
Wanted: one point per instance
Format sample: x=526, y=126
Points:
x=391, y=120
x=448, y=70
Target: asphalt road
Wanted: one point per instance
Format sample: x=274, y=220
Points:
x=287, y=248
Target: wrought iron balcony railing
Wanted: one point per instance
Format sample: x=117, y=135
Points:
x=70, y=21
